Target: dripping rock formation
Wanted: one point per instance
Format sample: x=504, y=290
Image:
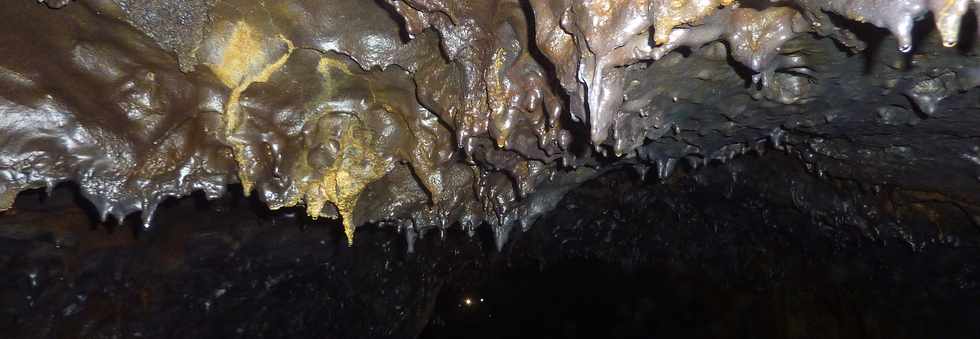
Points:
x=426, y=168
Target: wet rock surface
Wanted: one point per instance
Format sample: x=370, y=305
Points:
x=200, y=168
x=477, y=112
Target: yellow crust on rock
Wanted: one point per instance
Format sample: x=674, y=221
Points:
x=245, y=61
x=672, y=13
x=356, y=166
x=242, y=55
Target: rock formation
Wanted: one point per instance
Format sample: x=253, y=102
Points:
x=433, y=113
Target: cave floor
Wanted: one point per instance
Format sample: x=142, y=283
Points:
x=705, y=254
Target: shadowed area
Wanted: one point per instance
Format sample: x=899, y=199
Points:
x=493, y=168
x=706, y=255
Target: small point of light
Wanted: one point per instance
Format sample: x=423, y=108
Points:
x=481, y=300
x=468, y=301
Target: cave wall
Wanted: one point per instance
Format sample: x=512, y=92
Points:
x=428, y=114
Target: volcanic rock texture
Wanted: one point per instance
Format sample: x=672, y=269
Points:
x=433, y=113
x=793, y=169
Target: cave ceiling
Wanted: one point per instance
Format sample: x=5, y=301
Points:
x=426, y=114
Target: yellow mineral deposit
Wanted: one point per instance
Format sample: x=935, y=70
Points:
x=668, y=14
x=245, y=60
x=355, y=167
x=483, y=85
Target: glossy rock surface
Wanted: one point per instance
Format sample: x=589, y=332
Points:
x=446, y=112
x=473, y=121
